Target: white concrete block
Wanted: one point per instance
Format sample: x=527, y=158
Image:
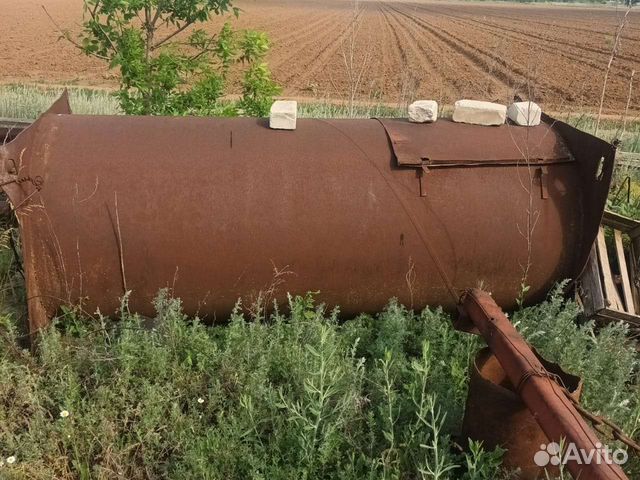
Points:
x=479, y=113
x=283, y=115
x=423, y=111
x=525, y=113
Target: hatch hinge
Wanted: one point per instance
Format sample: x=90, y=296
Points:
x=543, y=176
x=422, y=172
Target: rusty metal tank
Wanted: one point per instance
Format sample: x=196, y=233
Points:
x=361, y=210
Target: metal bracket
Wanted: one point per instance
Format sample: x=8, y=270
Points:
x=422, y=172
x=543, y=175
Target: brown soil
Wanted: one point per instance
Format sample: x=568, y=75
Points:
x=443, y=50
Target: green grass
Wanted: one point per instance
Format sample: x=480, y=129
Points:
x=329, y=109
x=28, y=102
x=610, y=129
x=299, y=394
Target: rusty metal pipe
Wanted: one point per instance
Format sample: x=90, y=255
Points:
x=495, y=415
x=543, y=396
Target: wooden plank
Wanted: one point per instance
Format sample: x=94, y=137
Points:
x=608, y=315
x=624, y=273
x=592, y=296
x=628, y=159
x=620, y=222
x=610, y=291
x=633, y=272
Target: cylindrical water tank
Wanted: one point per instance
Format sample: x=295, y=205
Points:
x=359, y=210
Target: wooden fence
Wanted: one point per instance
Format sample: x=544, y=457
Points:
x=628, y=160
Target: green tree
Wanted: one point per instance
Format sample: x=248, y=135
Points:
x=168, y=66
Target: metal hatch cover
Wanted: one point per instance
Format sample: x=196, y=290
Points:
x=448, y=144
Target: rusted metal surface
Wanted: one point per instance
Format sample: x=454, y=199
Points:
x=9, y=130
x=415, y=145
x=213, y=207
x=539, y=389
x=496, y=415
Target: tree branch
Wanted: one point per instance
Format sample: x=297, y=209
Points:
x=169, y=37
x=201, y=53
x=93, y=17
x=149, y=32
x=67, y=36
x=95, y=9
x=157, y=15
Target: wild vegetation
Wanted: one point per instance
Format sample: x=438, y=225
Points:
x=164, y=73
x=294, y=394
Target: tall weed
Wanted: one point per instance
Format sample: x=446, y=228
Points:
x=294, y=395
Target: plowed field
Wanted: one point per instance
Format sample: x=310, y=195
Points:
x=443, y=50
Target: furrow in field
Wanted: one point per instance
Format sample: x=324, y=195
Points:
x=512, y=74
x=570, y=78
x=414, y=68
x=521, y=38
x=436, y=61
x=399, y=60
x=554, y=21
x=300, y=39
x=296, y=30
x=487, y=65
x=316, y=59
x=292, y=57
x=388, y=48
x=548, y=37
x=400, y=47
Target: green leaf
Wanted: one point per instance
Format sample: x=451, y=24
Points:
x=163, y=75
